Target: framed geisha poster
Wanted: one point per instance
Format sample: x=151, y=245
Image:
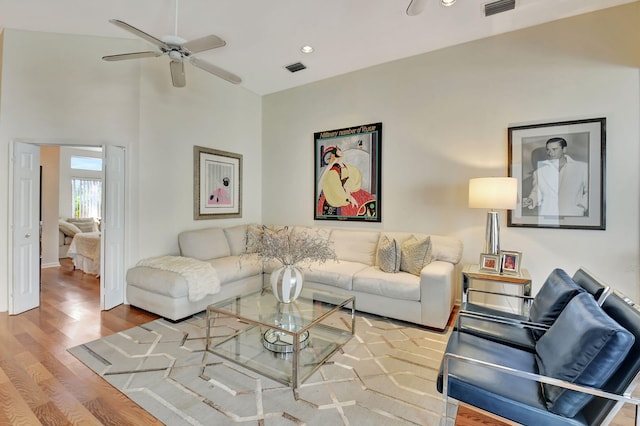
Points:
x=217, y=184
x=347, y=173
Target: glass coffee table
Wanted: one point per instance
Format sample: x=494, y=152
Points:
x=286, y=342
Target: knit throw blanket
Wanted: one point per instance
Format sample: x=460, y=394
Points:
x=202, y=279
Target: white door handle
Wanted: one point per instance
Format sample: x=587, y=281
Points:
x=27, y=235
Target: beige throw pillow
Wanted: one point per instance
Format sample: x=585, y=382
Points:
x=388, y=255
x=86, y=224
x=415, y=255
x=68, y=229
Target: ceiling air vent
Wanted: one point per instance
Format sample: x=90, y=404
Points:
x=298, y=66
x=499, y=6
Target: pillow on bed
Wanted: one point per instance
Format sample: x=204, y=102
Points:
x=86, y=224
x=68, y=229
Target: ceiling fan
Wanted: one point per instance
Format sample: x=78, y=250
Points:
x=417, y=6
x=178, y=51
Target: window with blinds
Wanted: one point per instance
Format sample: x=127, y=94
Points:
x=87, y=197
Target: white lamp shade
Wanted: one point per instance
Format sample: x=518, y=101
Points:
x=493, y=193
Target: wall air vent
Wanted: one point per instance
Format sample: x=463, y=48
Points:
x=298, y=66
x=499, y=6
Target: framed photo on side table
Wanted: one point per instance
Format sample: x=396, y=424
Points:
x=510, y=261
x=490, y=263
x=560, y=168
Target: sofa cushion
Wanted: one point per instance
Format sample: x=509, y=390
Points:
x=447, y=249
x=165, y=283
x=233, y=268
x=355, y=246
x=373, y=280
x=312, y=231
x=68, y=229
x=552, y=298
x=388, y=255
x=416, y=254
x=237, y=239
x=338, y=274
x=204, y=244
x=583, y=346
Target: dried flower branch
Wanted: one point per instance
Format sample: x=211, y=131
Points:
x=290, y=248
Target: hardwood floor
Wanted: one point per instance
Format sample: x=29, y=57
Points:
x=41, y=383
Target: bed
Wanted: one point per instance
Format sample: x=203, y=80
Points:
x=85, y=252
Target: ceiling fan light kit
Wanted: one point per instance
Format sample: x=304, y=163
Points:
x=448, y=3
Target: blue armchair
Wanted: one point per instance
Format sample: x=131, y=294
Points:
x=523, y=331
x=580, y=373
x=517, y=330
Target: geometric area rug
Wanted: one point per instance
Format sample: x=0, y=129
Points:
x=385, y=375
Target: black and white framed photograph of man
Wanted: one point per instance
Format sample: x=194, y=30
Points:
x=560, y=169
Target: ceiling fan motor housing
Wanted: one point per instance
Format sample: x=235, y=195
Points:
x=175, y=55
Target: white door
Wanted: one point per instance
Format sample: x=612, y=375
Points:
x=112, y=251
x=25, y=228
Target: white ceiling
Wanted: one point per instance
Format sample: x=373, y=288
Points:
x=263, y=36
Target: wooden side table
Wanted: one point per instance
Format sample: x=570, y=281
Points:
x=471, y=271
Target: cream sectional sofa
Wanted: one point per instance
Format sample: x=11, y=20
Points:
x=426, y=299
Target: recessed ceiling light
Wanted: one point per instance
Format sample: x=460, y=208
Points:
x=448, y=2
x=306, y=49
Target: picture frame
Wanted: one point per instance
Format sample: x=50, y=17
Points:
x=347, y=167
x=490, y=262
x=510, y=262
x=543, y=201
x=217, y=189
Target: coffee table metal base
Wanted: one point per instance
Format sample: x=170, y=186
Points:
x=249, y=330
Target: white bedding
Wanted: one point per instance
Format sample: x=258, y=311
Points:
x=85, y=252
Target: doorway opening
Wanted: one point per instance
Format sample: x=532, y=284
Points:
x=71, y=204
x=39, y=205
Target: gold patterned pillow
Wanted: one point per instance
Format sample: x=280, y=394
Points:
x=415, y=255
x=388, y=255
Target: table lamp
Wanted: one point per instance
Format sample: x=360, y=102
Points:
x=493, y=193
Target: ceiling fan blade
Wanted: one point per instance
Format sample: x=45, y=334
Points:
x=208, y=67
x=416, y=7
x=204, y=43
x=134, y=55
x=177, y=73
x=133, y=30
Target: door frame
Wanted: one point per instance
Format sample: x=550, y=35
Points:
x=103, y=262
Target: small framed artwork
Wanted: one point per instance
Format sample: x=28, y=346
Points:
x=490, y=262
x=560, y=168
x=347, y=173
x=510, y=261
x=217, y=182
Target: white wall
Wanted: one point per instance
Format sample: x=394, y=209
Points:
x=445, y=117
x=55, y=89
x=208, y=112
x=50, y=162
